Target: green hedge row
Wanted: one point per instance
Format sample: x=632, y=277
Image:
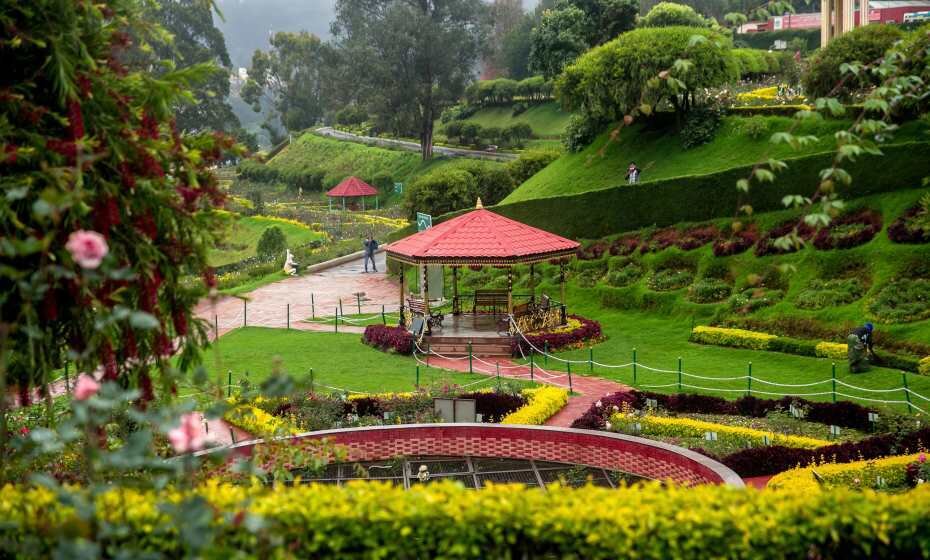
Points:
x=604, y=212
x=444, y=520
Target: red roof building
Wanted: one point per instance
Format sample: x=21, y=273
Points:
x=351, y=187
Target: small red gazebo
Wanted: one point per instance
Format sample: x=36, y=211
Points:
x=351, y=187
x=481, y=238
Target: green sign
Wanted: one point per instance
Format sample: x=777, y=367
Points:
x=399, y=188
x=424, y=221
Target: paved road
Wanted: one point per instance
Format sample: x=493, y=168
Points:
x=415, y=146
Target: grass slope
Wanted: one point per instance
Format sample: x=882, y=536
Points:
x=657, y=150
x=243, y=233
x=547, y=120
x=338, y=360
x=339, y=159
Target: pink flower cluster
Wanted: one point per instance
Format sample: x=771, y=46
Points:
x=87, y=248
x=189, y=436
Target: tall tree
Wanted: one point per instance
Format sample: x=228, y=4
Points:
x=195, y=40
x=291, y=76
x=410, y=58
x=506, y=15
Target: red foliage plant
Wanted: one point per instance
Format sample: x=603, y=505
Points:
x=738, y=241
x=850, y=230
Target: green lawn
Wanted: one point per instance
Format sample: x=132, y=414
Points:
x=547, y=120
x=338, y=360
x=658, y=152
x=243, y=233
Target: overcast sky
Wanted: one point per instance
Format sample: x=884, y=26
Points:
x=249, y=22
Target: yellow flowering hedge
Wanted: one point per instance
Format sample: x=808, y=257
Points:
x=257, y=422
x=280, y=220
x=860, y=474
x=689, y=427
x=832, y=350
x=760, y=94
x=542, y=404
x=738, y=338
x=923, y=368
x=445, y=520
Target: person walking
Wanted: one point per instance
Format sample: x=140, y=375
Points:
x=859, y=348
x=371, y=246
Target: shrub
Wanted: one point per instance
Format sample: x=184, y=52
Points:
x=820, y=294
x=580, y=132
x=766, y=244
x=715, y=269
x=625, y=245
x=660, y=240
x=832, y=350
x=631, y=272
x=864, y=45
x=441, y=191
x=736, y=338
x=529, y=164
x=668, y=14
x=913, y=226
x=541, y=405
x=850, y=230
x=592, y=251
x=669, y=279
x=698, y=236
x=494, y=406
x=887, y=473
x=709, y=290
x=383, y=337
x=272, y=243
x=700, y=126
x=518, y=109
x=923, y=367
x=795, y=346
x=589, y=330
x=752, y=299
x=902, y=301
x=737, y=241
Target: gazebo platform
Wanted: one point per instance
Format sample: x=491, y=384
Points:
x=479, y=329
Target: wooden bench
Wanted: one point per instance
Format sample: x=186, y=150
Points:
x=417, y=306
x=495, y=299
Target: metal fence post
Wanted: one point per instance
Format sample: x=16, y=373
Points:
x=311, y=381
x=312, y=307
x=749, y=381
x=383, y=319
x=216, y=327
x=834, y=382
x=288, y=316
x=340, y=307
x=531, y=364
x=228, y=383
x=470, y=368
x=245, y=312
x=634, y=366
x=568, y=367
x=546, y=352
x=67, y=382
x=679, y=374
x=336, y=322
x=907, y=392
x=498, y=364
x=418, y=377
x=358, y=300
x=591, y=359
x=427, y=354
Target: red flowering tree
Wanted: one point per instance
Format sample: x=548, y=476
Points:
x=105, y=205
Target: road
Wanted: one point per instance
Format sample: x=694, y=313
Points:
x=414, y=146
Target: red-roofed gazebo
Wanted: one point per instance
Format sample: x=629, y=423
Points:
x=482, y=238
x=351, y=187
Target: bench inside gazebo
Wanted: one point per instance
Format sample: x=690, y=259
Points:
x=485, y=319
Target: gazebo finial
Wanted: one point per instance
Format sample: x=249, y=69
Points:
x=479, y=205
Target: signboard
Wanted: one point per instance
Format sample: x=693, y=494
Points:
x=399, y=188
x=424, y=221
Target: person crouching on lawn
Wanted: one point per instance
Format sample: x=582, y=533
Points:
x=859, y=348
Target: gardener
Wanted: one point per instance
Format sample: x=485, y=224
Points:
x=859, y=348
x=370, y=247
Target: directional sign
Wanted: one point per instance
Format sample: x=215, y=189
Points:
x=399, y=188
x=424, y=221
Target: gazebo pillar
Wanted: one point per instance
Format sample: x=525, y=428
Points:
x=532, y=282
x=402, y=286
x=343, y=204
x=456, y=308
x=562, y=283
x=424, y=287
x=510, y=290
x=363, y=204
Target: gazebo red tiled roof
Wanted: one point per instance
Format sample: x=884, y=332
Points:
x=481, y=237
x=352, y=187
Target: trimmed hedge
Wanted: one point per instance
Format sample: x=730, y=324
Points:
x=699, y=198
x=446, y=520
x=589, y=330
x=388, y=338
x=857, y=475
x=542, y=404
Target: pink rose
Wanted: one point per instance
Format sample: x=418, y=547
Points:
x=922, y=458
x=86, y=387
x=87, y=248
x=189, y=436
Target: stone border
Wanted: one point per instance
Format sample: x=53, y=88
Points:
x=635, y=455
x=331, y=263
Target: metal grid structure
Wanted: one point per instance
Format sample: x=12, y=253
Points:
x=472, y=472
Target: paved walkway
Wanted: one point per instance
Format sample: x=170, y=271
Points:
x=267, y=306
x=415, y=146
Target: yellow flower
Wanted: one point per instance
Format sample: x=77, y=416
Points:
x=832, y=350
x=541, y=405
x=738, y=338
x=689, y=427
x=871, y=473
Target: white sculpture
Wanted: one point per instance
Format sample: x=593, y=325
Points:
x=290, y=266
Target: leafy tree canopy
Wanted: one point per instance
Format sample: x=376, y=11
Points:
x=863, y=45
x=668, y=14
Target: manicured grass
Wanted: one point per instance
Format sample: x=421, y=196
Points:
x=243, y=233
x=547, y=120
x=657, y=151
x=338, y=360
x=339, y=159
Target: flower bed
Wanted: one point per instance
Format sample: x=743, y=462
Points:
x=542, y=404
x=887, y=473
x=257, y=422
x=697, y=237
x=660, y=240
x=709, y=290
x=820, y=294
x=752, y=299
x=849, y=231
x=766, y=244
x=649, y=424
x=670, y=279
x=902, y=301
x=737, y=338
x=629, y=273
x=396, y=339
x=832, y=350
x=587, y=331
x=592, y=251
x=923, y=367
x=913, y=226
x=625, y=245
x=738, y=241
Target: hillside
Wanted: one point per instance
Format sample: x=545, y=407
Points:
x=242, y=234
x=657, y=151
x=338, y=159
x=547, y=120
